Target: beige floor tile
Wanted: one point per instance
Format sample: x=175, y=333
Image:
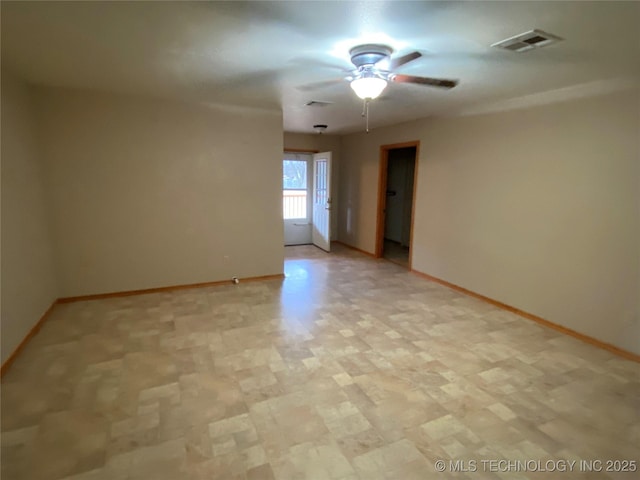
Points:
x=349, y=368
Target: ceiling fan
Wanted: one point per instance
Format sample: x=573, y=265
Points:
x=375, y=68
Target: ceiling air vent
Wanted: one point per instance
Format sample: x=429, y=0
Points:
x=317, y=103
x=527, y=41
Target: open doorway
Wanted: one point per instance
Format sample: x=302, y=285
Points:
x=306, y=199
x=297, y=209
x=396, y=194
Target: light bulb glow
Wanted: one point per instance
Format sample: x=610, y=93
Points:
x=368, y=87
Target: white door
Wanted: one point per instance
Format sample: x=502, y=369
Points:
x=321, y=231
x=296, y=201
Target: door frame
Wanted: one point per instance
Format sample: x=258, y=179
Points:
x=382, y=195
x=299, y=150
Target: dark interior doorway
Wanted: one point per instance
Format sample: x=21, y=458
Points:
x=395, y=218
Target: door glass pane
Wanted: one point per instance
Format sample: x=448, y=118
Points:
x=321, y=182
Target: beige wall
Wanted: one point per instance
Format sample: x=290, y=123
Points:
x=322, y=143
x=537, y=208
x=28, y=280
x=148, y=193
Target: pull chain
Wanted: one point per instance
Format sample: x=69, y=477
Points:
x=367, y=120
x=365, y=113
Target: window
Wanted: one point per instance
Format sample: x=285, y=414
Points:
x=294, y=189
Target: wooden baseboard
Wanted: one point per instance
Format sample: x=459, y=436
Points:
x=559, y=328
x=351, y=247
x=129, y=293
x=7, y=363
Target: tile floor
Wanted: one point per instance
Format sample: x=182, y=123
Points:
x=396, y=253
x=350, y=368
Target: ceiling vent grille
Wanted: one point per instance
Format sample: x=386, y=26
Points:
x=527, y=41
x=317, y=103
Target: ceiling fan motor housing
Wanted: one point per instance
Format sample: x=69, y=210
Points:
x=369, y=54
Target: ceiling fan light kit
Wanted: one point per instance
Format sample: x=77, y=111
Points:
x=375, y=69
x=369, y=87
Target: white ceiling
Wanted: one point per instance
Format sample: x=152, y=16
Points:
x=261, y=53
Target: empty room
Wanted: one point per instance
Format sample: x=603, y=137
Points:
x=320, y=240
